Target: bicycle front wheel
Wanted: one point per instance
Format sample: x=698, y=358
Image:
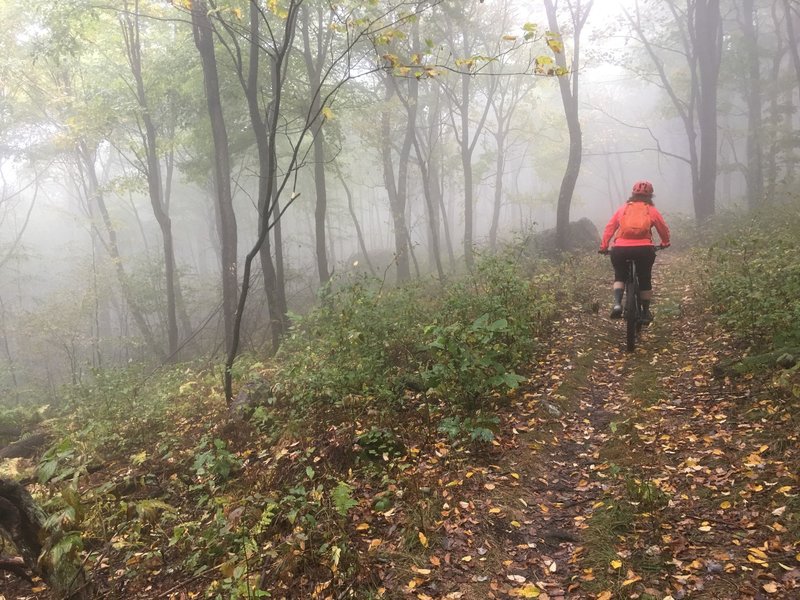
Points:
x=631, y=315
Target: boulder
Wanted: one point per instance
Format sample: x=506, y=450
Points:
x=582, y=236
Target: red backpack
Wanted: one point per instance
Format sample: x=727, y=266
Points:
x=635, y=221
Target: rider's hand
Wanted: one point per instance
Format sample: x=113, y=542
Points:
x=603, y=251
x=663, y=246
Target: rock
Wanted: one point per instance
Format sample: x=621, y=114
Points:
x=582, y=236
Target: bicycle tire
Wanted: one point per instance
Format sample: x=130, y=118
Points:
x=631, y=315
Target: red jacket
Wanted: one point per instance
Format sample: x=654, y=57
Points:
x=656, y=220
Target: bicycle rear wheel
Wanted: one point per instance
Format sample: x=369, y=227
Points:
x=631, y=315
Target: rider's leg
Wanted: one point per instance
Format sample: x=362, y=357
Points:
x=645, y=298
x=644, y=266
x=619, y=288
x=620, y=274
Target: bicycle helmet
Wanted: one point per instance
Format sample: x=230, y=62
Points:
x=642, y=188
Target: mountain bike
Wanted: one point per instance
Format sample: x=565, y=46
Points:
x=632, y=312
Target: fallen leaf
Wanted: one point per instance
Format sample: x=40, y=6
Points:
x=529, y=591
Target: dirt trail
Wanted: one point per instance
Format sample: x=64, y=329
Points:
x=629, y=475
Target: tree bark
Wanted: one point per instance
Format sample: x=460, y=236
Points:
x=792, y=36
x=226, y=217
x=568, y=83
x=754, y=172
x=314, y=61
x=707, y=30
x=396, y=187
x=280, y=53
x=153, y=170
x=359, y=232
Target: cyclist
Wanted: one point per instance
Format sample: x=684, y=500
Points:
x=632, y=224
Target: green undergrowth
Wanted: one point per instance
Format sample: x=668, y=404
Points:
x=368, y=345
x=153, y=478
x=754, y=283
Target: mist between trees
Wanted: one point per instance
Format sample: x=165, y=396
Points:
x=179, y=177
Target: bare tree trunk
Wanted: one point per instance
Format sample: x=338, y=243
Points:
x=707, y=30
x=396, y=187
x=279, y=56
x=95, y=196
x=754, y=172
x=226, y=218
x=314, y=61
x=794, y=51
x=153, y=169
x=685, y=108
x=568, y=84
x=466, y=165
x=499, y=171
x=359, y=233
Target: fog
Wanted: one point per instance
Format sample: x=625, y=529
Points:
x=83, y=261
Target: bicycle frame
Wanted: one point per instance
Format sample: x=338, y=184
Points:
x=632, y=312
x=632, y=307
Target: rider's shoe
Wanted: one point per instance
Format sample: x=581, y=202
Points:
x=647, y=316
x=616, y=312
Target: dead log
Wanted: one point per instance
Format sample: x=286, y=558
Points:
x=27, y=446
x=16, y=566
x=22, y=523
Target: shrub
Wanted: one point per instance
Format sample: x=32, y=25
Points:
x=463, y=340
x=359, y=341
x=755, y=278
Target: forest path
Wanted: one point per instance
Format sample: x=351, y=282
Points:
x=624, y=475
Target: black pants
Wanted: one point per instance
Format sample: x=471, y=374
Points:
x=642, y=256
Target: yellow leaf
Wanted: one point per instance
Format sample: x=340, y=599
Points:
x=516, y=524
x=327, y=113
x=529, y=591
x=632, y=578
x=516, y=476
x=423, y=540
x=494, y=511
x=757, y=552
x=373, y=545
x=466, y=558
x=604, y=595
x=616, y=563
x=725, y=505
x=362, y=526
x=419, y=571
